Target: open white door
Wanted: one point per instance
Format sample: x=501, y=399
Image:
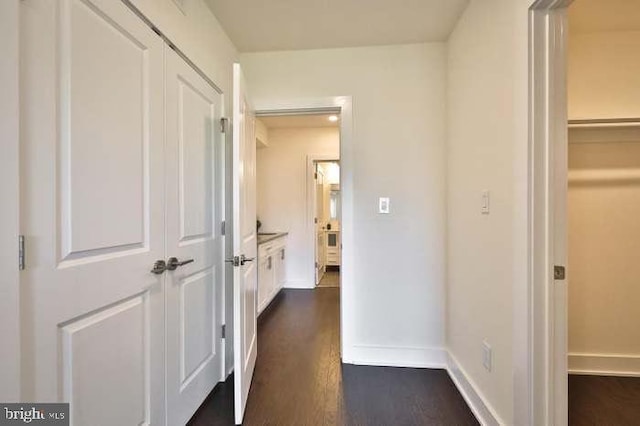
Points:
x=319, y=223
x=245, y=277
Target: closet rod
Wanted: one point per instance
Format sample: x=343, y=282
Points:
x=595, y=122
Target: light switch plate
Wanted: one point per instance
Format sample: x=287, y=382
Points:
x=383, y=205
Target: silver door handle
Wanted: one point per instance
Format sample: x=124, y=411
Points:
x=244, y=259
x=173, y=263
x=159, y=267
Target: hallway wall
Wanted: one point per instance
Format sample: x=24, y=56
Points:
x=481, y=247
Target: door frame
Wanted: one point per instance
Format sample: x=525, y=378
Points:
x=343, y=106
x=10, y=365
x=546, y=396
x=312, y=159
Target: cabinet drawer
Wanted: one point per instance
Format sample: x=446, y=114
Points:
x=265, y=249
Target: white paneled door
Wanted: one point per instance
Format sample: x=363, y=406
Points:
x=194, y=153
x=245, y=304
x=92, y=211
x=121, y=168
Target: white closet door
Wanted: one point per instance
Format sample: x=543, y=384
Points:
x=194, y=154
x=92, y=211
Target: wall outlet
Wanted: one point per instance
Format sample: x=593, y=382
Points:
x=487, y=356
x=485, y=207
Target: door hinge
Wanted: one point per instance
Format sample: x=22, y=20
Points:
x=223, y=228
x=315, y=220
x=315, y=175
x=21, y=253
x=224, y=331
x=224, y=123
x=559, y=273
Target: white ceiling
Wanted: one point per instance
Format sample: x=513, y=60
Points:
x=298, y=121
x=604, y=15
x=259, y=25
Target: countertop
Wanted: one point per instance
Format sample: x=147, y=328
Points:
x=269, y=236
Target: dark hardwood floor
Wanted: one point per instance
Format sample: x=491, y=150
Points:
x=604, y=400
x=299, y=379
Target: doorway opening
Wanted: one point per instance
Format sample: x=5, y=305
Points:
x=298, y=202
x=327, y=223
x=603, y=206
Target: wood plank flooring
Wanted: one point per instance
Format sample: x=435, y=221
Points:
x=299, y=379
x=331, y=278
x=604, y=400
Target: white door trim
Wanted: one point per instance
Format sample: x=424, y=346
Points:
x=343, y=104
x=9, y=190
x=545, y=360
x=311, y=194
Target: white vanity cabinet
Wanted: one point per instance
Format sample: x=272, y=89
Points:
x=272, y=255
x=265, y=280
x=333, y=248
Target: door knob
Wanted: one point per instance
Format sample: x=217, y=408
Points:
x=173, y=263
x=159, y=267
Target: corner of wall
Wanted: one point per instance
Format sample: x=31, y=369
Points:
x=397, y=356
x=477, y=402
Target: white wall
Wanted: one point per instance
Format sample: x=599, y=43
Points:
x=198, y=34
x=398, y=151
x=282, y=193
x=604, y=242
x=9, y=219
x=604, y=75
x=481, y=247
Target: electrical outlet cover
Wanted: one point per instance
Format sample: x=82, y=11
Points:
x=487, y=356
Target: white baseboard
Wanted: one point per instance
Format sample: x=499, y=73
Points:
x=299, y=284
x=604, y=364
x=392, y=356
x=478, y=404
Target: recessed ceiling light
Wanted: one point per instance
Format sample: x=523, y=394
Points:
x=333, y=118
